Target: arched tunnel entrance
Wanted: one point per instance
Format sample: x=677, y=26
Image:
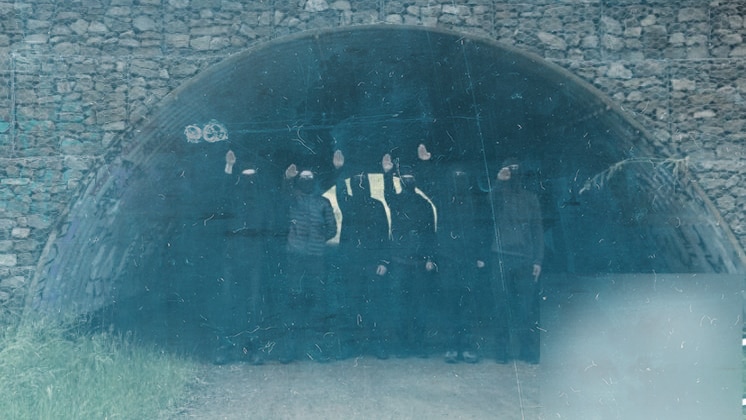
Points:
x=167, y=227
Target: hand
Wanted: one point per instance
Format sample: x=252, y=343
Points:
x=339, y=159
x=381, y=270
x=230, y=159
x=430, y=266
x=291, y=171
x=480, y=264
x=386, y=163
x=422, y=152
x=536, y=272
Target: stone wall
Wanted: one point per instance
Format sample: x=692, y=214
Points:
x=79, y=76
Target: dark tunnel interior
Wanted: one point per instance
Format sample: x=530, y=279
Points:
x=214, y=243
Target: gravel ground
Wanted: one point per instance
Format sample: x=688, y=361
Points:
x=366, y=388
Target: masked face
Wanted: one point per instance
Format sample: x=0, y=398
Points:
x=460, y=183
x=509, y=176
x=305, y=182
x=249, y=175
x=249, y=180
x=407, y=182
x=509, y=170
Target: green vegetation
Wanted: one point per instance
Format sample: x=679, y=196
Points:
x=53, y=371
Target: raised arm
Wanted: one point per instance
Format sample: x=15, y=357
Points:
x=389, y=193
x=341, y=187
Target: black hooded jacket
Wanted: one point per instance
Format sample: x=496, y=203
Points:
x=412, y=222
x=365, y=227
x=518, y=222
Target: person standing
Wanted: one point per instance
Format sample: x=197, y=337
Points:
x=364, y=251
x=458, y=245
x=255, y=232
x=241, y=311
x=226, y=314
x=311, y=224
x=516, y=256
x=413, y=266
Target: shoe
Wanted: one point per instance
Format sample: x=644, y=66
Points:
x=220, y=359
x=503, y=355
x=256, y=358
x=501, y=359
x=531, y=360
x=380, y=352
x=286, y=354
x=469, y=357
x=451, y=356
x=222, y=354
x=530, y=357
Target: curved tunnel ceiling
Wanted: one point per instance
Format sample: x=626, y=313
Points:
x=370, y=91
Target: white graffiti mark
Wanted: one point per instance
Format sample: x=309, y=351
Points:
x=212, y=132
x=193, y=133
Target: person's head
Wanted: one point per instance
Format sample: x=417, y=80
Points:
x=406, y=178
x=509, y=170
x=305, y=181
x=249, y=171
x=249, y=178
x=461, y=184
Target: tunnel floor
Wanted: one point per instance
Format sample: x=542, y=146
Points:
x=367, y=388
x=614, y=346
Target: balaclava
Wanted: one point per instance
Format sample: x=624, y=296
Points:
x=305, y=181
x=406, y=176
x=460, y=183
x=514, y=183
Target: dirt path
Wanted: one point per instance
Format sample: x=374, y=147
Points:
x=366, y=388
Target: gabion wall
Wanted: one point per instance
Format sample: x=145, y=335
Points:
x=80, y=76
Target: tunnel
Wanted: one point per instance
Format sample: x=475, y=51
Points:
x=160, y=226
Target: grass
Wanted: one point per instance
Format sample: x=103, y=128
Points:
x=54, y=371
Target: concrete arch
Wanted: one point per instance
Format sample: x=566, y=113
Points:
x=610, y=196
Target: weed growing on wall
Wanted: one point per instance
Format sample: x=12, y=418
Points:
x=53, y=371
x=679, y=168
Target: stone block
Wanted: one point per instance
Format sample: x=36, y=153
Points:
x=8, y=260
x=20, y=233
x=12, y=283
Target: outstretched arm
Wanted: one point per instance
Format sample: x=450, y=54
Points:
x=341, y=187
x=288, y=182
x=537, y=237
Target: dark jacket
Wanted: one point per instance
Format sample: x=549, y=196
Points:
x=412, y=222
x=458, y=234
x=365, y=228
x=311, y=222
x=518, y=223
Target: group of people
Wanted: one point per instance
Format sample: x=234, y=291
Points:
x=429, y=249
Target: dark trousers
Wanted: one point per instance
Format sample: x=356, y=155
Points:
x=366, y=302
x=302, y=307
x=457, y=296
x=378, y=311
x=414, y=300
x=517, y=309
